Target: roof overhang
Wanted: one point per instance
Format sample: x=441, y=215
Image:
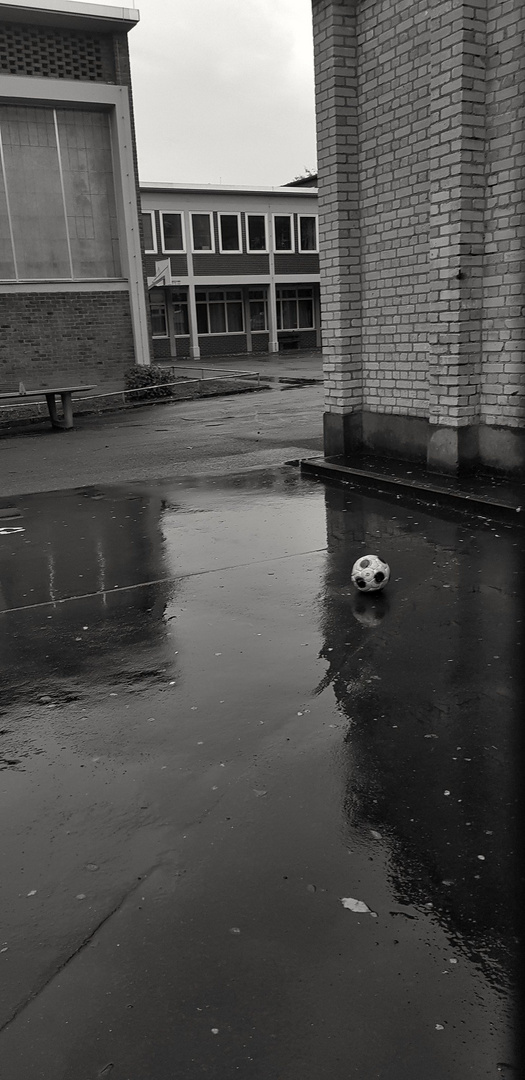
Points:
x=67, y=13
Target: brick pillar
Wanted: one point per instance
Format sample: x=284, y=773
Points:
x=457, y=207
x=335, y=54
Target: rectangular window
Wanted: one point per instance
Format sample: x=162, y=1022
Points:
x=295, y=309
x=148, y=228
x=256, y=230
x=57, y=180
x=159, y=322
x=308, y=232
x=283, y=232
x=230, y=232
x=258, y=302
x=219, y=311
x=202, y=232
x=171, y=232
x=179, y=300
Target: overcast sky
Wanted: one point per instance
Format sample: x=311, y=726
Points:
x=223, y=90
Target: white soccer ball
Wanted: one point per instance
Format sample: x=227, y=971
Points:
x=370, y=573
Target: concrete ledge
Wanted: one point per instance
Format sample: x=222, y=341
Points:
x=508, y=506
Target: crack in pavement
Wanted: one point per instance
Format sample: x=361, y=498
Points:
x=35, y=993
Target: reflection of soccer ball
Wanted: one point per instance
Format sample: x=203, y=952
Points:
x=370, y=611
x=370, y=573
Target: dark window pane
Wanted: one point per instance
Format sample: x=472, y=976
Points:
x=256, y=232
x=202, y=319
x=172, y=224
x=257, y=315
x=217, y=319
x=306, y=313
x=147, y=226
x=283, y=233
x=308, y=233
x=229, y=226
x=235, y=320
x=158, y=320
x=289, y=316
x=180, y=319
x=201, y=232
x=233, y=294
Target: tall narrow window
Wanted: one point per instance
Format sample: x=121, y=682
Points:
x=172, y=234
x=148, y=228
x=258, y=310
x=179, y=299
x=256, y=228
x=202, y=232
x=283, y=233
x=229, y=232
x=308, y=232
x=159, y=322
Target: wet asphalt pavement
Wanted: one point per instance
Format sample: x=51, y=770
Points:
x=208, y=740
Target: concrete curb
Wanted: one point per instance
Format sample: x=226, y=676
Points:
x=428, y=492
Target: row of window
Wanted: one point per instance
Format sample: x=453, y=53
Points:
x=230, y=234
x=221, y=311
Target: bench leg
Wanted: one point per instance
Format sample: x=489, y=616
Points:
x=52, y=409
x=67, y=406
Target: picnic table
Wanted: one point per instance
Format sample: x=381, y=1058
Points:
x=66, y=394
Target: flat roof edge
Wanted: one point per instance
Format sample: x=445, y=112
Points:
x=68, y=12
x=224, y=189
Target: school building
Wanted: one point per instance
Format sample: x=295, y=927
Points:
x=231, y=269
x=73, y=304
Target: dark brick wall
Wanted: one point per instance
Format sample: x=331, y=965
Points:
x=47, y=338
x=222, y=345
x=231, y=264
x=296, y=263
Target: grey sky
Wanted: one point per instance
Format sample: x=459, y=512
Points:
x=223, y=90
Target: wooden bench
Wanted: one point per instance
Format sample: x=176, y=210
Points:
x=66, y=393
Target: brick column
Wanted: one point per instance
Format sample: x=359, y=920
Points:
x=335, y=54
x=457, y=207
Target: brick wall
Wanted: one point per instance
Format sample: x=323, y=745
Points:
x=75, y=337
x=503, y=328
x=421, y=160
x=393, y=77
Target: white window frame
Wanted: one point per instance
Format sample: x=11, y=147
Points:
x=284, y=251
x=257, y=251
x=308, y=251
x=172, y=251
x=229, y=213
x=154, y=250
x=203, y=251
x=207, y=289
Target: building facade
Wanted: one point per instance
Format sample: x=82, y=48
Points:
x=421, y=164
x=72, y=291
x=231, y=269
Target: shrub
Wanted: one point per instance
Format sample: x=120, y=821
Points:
x=146, y=379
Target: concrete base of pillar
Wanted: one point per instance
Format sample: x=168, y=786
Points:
x=195, y=352
x=451, y=449
x=273, y=346
x=343, y=434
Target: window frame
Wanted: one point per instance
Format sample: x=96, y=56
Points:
x=284, y=251
x=207, y=289
x=161, y=303
x=203, y=251
x=235, y=214
x=296, y=298
x=166, y=250
x=265, y=249
x=154, y=250
x=308, y=251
